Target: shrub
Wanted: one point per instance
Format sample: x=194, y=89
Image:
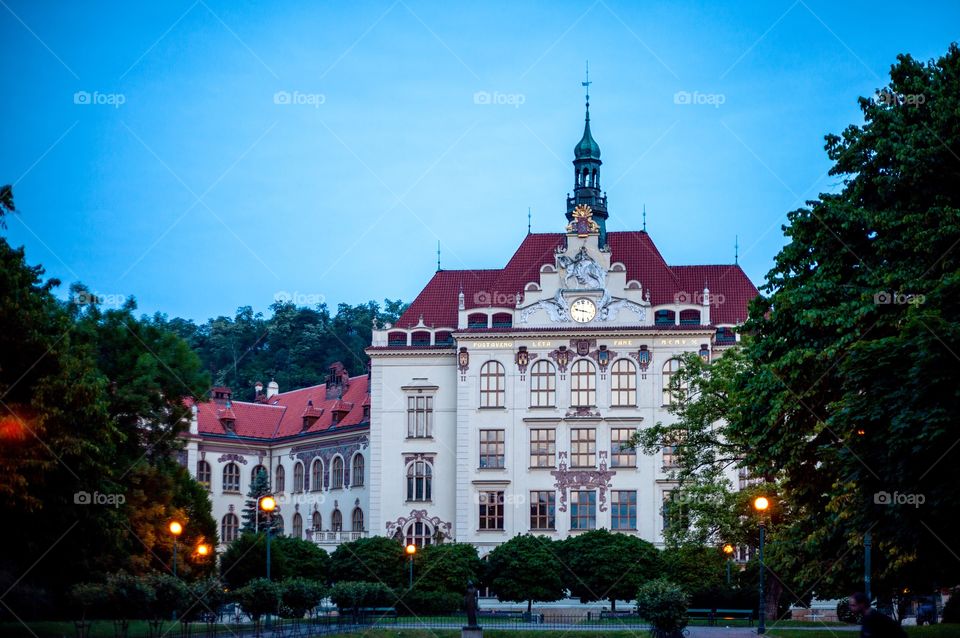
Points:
x=88, y=600
x=170, y=594
x=845, y=615
x=358, y=594
x=206, y=599
x=129, y=597
x=260, y=596
x=664, y=605
x=424, y=602
x=298, y=596
x=951, y=611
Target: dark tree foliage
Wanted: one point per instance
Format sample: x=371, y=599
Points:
x=370, y=559
x=259, y=486
x=526, y=569
x=853, y=388
x=294, y=346
x=604, y=565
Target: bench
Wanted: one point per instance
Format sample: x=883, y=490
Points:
x=501, y=613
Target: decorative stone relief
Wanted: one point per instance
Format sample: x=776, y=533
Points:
x=232, y=457
x=395, y=528
x=568, y=479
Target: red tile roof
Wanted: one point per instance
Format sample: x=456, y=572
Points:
x=729, y=286
x=282, y=415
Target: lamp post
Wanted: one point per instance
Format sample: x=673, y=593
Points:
x=267, y=504
x=761, y=504
x=176, y=529
x=411, y=550
x=728, y=550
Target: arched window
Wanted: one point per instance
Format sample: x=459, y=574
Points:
x=316, y=475
x=670, y=368
x=664, y=318
x=357, y=478
x=418, y=533
x=583, y=384
x=317, y=522
x=357, y=520
x=298, y=477
x=492, y=385
x=419, y=481
x=336, y=521
x=543, y=385
x=336, y=472
x=280, y=482
x=231, y=477
x=229, y=527
x=203, y=474
x=256, y=470
x=297, y=525
x=624, y=383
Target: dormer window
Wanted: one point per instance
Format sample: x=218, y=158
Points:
x=310, y=414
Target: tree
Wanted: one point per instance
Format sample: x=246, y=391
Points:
x=369, y=559
x=664, y=604
x=259, y=487
x=526, y=569
x=852, y=388
x=298, y=596
x=258, y=597
x=246, y=559
x=6, y=203
x=603, y=565
x=446, y=567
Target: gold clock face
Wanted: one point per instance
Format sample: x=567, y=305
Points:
x=583, y=310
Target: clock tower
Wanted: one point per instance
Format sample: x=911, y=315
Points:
x=586, y=175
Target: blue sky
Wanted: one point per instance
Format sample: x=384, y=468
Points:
x=203, y=155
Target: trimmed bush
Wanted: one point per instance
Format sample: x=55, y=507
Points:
x=88, y=601
x=298, y=596
x=355, y=595
x=664, y=605
x=260, y=596
x=423, y=602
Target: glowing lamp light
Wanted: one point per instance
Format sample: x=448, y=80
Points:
x=728, y=549
x=176, y=528
x=411, y=549
x=203, y=549
x=761, y=503
x=268, y=503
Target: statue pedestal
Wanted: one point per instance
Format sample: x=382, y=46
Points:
x=471, y=632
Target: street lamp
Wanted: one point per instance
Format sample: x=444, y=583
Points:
x=761, y=504
x=728, y=550
x=411, y=549
x=176, y=529
x=266, y=503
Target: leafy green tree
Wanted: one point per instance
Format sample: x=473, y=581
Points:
x=446, y=567
x=526, y=569
x=852, y=387
x=245, y=560
x=258, y=598
x=303, y=559
x=298, y=596
x=356, y=595
x=6, y=203
x=171, y=595
x=603, y=565
x=368, y=559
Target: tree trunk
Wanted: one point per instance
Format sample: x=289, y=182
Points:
x=613, y=604
x=773, y=593
x=529, y=606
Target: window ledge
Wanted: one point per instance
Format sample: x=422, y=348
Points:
x=231, y=491
x=482, y=531
x=542, y=467
x=543, y=529
x=492, y=407
x=623, y=529
x=491, y=469
x=419, y=438
x=429, y=502
x=543, y=407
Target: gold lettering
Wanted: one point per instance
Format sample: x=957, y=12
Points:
x=623, y=342
x=492, y=345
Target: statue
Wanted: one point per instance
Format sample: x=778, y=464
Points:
x=471, y=603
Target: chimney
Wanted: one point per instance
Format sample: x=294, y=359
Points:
x=273, y=389
x=257, y=389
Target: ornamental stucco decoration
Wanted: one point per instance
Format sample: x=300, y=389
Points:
x=584, y=270
x=346, y=449
x=643, y=357
x=232, y=457
x=562, y=356
x=583, y=480
x=395, y=528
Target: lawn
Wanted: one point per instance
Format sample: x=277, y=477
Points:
x=935, y=631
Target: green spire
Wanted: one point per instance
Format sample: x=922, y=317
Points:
x=587, y=148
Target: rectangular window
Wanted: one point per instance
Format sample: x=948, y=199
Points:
x=543, y=506
x=543, y=447
x=491, y=448
x=621, y=454
x=583, y=509
x=623, y=509
x=583, y=447
x=419, y=417
x=491, y=510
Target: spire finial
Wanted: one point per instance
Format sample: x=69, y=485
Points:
x=644, y=218
x=528, y=220
x=586, y=84
x=736, y=249
x=438, y=255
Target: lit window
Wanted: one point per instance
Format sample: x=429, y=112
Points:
x=583, y=384
x=583, y=447
x=543, y=385
x=492, y=385
x=543, y=447
x=624, y=383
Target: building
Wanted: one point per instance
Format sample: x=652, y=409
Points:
x=501, y=398
x=499, y=402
